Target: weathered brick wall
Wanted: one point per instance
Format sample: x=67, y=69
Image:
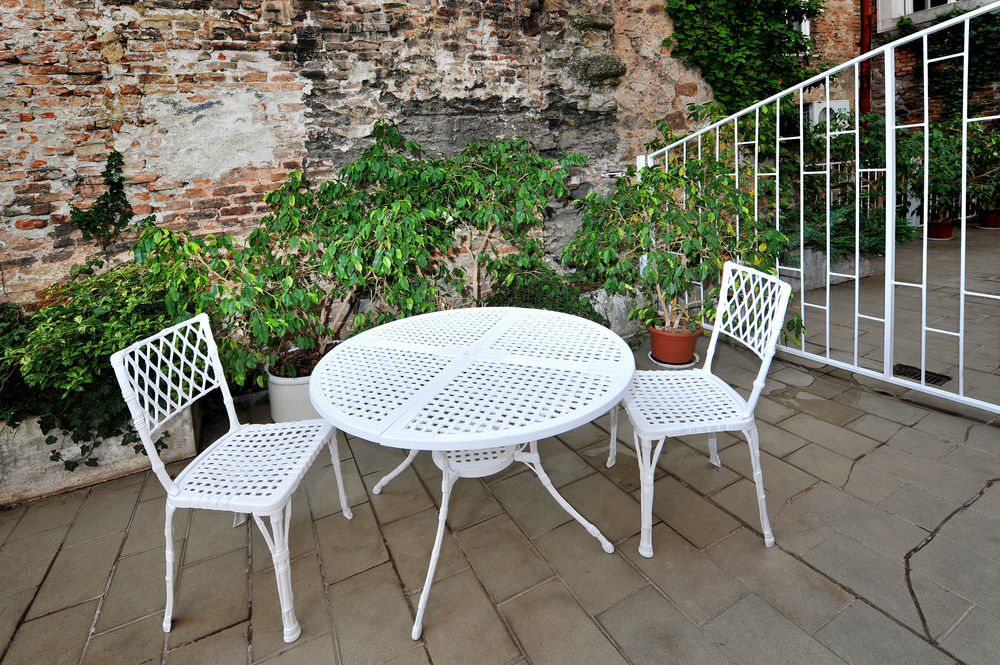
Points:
x=212, y=102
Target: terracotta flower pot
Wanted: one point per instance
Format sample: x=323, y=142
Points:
x=939, y=230
x=991, y=219
x=672, y=347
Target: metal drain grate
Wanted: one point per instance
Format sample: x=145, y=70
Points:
x=911, y=372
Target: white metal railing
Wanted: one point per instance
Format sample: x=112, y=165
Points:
x=913, y=314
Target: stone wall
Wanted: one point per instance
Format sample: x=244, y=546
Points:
x=212, y=102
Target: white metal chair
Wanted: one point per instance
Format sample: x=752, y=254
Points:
x=251, y=469
x=668, y=403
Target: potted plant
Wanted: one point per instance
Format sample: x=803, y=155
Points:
x=984, y=174
x=663, y=237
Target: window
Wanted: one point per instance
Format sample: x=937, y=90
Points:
x=920, y=5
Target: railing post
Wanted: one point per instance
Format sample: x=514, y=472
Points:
x=890, y=211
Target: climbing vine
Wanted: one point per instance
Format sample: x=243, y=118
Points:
x=747, y=50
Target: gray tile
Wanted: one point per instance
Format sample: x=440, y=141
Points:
x=795, y=530
x=415, y=656
x=913, y=441
x=371, y=617
x=504, y=560
x=598, y=580
x=752, y=632
x=692, y=466
x=106, y=510
x=822, y=463
x=54, y=639
x=985, y=437
x=12, y=607
x=793, y=588
x=976, y=639
x=974, y=462
x=9, y=518
x=691, y=515
x=863, y=636
x=776, y=441
x=935, y=477
x=771, y=411
x=554, y=630
x=146, y=529
x=227, y=647
x=319, y=651
x=945, y=426
x=137, y=642
x=610, y=509
x=212, y=533
x=781, y=480
x=56, y=512
x=402, y=497
x=695, y=583
x=310, y=607
x=874, y=427
x=585, y=435
x=460, y=621
x=561, y=463
x=348, y=547
x=962, y=569
x=882, y=582
x=883, y=532
x=211, y=595
x=137, y=588
x=471, y=502
x=740, y=500
x=24, y=562
x=410, y=542
x=838, y=439
x=989, y=503
x=651, y=631
x=373, y=458
x=918, y=506
x=806, y=401
x=886, y=407
x=78, y=574
x=529, y=504
x=870, y=482
x=625, y=473
x=320, y=484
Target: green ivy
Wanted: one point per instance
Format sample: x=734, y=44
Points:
x=111, y=213
x=538, y=286
x=55, y=363
x=747, y=50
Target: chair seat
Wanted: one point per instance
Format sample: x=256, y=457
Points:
x=252, y=469
x=678, y=403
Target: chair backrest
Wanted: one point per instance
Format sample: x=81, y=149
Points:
x=164, y=374
x=751, y=310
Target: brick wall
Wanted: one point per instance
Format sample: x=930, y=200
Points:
x=212, y=102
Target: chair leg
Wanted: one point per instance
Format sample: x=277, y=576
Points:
x=758, y=480
x=613, y=447
x=713, y=450
x=395, y=472
x=448, y=478
x=533, y=462
x=168, y=532
x=333, y=445
x=277, y=542
x=238, y=519
x=647, y=456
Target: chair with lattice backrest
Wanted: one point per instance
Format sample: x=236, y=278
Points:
x=672, y=403
x=251, y=469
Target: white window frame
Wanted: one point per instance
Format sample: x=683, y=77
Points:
x=890, y=11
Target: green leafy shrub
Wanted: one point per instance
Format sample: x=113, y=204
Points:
x=55, y=363
x=538, y=286
x=376, y=243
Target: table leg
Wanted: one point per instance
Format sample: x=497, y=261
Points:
x=448, y=478
x=533, y=462
x=395, y=472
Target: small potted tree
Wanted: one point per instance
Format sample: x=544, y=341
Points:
x=663, y=238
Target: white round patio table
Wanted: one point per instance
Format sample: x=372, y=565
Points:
x=478, y=387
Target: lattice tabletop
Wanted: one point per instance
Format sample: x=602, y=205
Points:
x=472, y=378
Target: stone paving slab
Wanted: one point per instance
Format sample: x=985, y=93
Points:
x=857, y=482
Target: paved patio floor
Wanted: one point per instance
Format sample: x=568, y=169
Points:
x=885, y=512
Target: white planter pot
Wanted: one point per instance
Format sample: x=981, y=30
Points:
x=290, y=399
x=26, y=472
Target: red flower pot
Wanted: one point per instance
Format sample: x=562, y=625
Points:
x=672, y=347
